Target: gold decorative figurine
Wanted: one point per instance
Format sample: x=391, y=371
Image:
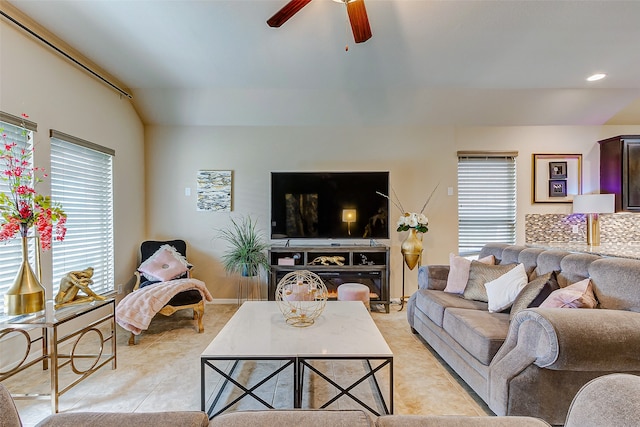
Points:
x=74, y=282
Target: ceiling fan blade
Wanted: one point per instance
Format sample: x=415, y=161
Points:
x=359, y=20
x=287, y=12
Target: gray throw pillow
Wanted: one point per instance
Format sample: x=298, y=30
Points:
x=535, y=292
x=479, y=274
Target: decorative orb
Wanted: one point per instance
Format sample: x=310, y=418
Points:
x=301, y=296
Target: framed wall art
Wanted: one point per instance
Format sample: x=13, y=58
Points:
x=214, y=191
x=558, y=170
x=556, y=177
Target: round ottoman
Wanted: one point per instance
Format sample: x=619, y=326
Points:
x=354, y=292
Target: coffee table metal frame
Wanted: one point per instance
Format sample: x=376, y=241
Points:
x=304, y=362
x=299, y=362
x=228, y=378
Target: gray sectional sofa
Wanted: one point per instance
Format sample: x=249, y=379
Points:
x=534, y=363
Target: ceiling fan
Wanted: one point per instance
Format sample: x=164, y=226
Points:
x=355, y=9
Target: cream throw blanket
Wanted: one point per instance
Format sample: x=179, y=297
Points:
x=135, y=311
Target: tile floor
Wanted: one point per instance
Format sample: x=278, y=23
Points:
x=162, y=372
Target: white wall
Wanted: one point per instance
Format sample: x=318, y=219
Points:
x=57, y=95
x=417, y=158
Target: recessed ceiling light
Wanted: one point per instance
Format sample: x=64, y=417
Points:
x=596, y=77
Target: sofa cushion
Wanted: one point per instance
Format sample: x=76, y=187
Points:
x=459, y=272
x=479, y=274
x=549, y=261
x=574, y=268
x=511, y=254
x=456, y=421
x=577, y=295
x=502, y=291
x=137, y=419
x=480, y=333
x=433, y=304
x=294, y=418
x=615, y=283
x=534, y=293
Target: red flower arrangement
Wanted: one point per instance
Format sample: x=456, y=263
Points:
x=23, y=207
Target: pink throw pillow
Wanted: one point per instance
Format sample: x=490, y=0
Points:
x=165, y=264
x=459, y=272
x=577, y=295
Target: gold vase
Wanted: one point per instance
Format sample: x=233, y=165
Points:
x=412, y=249
x=26, y=295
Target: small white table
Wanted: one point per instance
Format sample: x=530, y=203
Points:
x=258, y=331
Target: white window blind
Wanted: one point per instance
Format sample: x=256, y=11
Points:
x=81, y=180
x=486, y=201
x=10, y=250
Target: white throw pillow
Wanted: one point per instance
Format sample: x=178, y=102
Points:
x=459, y=272
x=502, y=292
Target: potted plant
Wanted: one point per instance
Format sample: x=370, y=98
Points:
x=245, y=254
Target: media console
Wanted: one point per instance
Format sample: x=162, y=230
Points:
x=368, y=265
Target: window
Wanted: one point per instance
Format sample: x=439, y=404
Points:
x=81, y=180
x=486, y=200
x=10, y=250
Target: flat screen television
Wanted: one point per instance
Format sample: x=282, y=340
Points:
x=329, y=205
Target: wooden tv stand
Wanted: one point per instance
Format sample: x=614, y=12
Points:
x=368, y=265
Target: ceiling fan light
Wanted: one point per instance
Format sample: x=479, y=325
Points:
x=596, y=77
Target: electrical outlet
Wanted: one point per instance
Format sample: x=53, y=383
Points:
x=120, y=290
x=575, y=229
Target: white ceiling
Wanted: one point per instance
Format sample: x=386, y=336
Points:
x=508, y=62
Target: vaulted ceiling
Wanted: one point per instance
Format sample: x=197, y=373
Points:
x=481, y=62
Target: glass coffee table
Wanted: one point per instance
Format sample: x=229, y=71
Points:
x=257, y=332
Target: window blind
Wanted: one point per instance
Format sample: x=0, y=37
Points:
x=82, y=181
x=486, y=201
x=11, y=250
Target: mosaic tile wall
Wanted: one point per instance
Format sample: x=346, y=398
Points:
x=557, y=228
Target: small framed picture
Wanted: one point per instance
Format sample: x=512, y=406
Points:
x=558, y=188
x=557, y=170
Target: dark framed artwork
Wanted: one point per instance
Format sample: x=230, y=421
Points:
x=556, y=178
x=557, y=188
x=557, y=170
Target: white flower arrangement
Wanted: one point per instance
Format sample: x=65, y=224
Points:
x=419, y=221
x=408, y=220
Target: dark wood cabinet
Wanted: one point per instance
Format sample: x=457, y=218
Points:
x=368, y=265
x=620, y=170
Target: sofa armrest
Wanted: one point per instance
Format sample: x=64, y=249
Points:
x=433, y=277
x=583, y=339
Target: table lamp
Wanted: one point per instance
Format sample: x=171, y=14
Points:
x=592, y=205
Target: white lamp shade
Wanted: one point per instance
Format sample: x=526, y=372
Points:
x=349, y=215
x=594, y=203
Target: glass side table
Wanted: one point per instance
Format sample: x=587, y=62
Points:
x=72, y=339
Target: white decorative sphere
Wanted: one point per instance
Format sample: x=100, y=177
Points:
x=301, y=296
